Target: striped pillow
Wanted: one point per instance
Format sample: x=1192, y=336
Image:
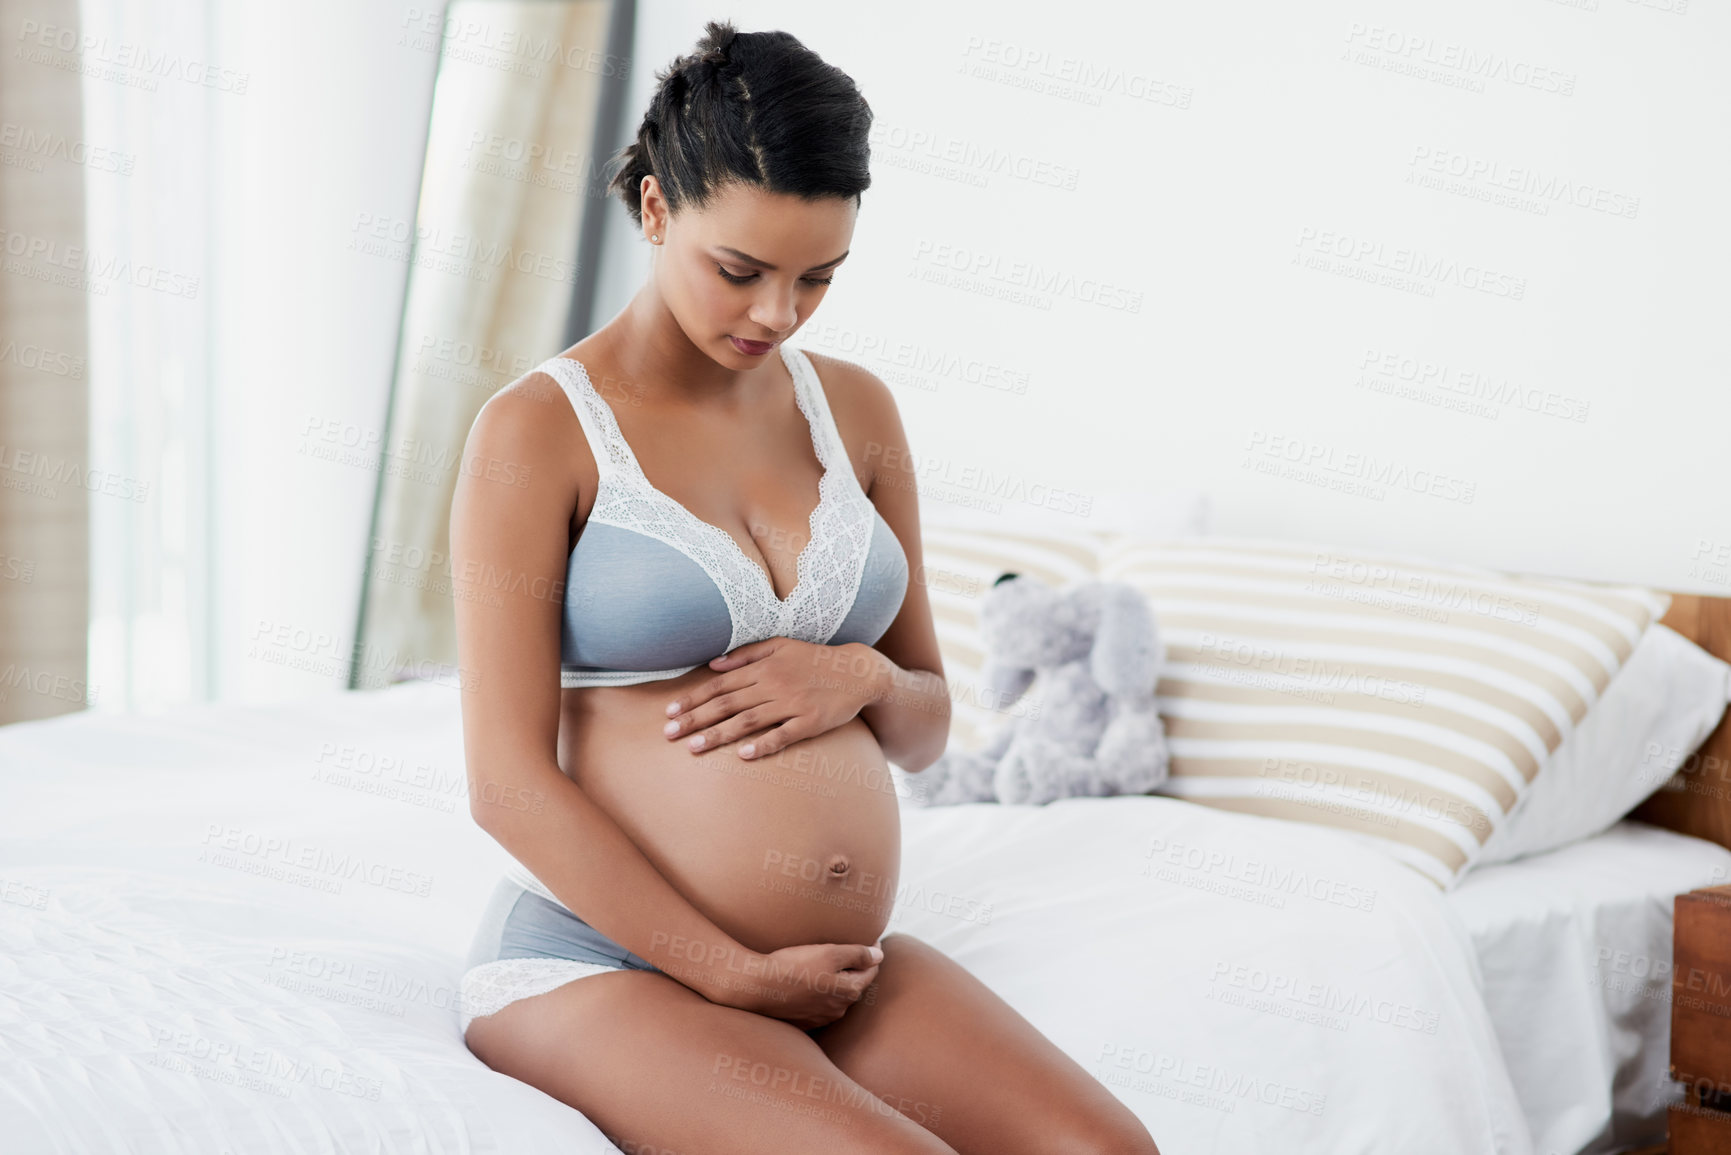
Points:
x=1403, y=700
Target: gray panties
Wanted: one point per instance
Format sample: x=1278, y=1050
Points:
x=519, y=923
x=526, y=945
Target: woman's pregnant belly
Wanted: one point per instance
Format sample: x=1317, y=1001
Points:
x=799, y=846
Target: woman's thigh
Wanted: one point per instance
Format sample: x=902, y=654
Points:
x=939, y=1045
x=659, y=1068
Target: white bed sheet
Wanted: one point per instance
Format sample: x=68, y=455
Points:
x=212, y=941
x=1574, y=947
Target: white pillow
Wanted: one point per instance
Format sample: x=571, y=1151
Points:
x=1656, y=711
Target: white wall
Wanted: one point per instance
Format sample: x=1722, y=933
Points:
x=1214, y=153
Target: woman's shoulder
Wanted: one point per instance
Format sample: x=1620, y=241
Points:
x=530, y=424
x=854, y=389
x=522, y=407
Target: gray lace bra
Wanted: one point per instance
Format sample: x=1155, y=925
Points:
x=652, y=591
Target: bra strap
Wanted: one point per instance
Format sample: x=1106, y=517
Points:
x=806, y=376
x=582, y=395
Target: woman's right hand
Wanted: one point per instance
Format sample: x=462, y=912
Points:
x=810, y=986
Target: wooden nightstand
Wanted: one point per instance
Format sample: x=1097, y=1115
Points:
x=1701, y=1022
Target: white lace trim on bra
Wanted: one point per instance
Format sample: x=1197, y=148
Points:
x=830, y=566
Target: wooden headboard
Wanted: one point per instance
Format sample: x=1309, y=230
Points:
x=1698, y=800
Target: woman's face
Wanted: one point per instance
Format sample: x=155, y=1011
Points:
x=743, y=274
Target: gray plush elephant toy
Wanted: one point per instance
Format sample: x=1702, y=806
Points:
x=1091, y=728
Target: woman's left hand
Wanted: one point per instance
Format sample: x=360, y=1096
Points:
x=789, y=688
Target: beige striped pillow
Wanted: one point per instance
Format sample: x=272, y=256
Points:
x=1401, y=699
x=959, y=564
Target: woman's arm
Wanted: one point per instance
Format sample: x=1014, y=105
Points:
x=510, y=520
x=911, y=713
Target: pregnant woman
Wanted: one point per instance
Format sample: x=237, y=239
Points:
x=689, y=643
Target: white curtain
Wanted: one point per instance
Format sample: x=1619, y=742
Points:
x=149, y=381
x=243, y=149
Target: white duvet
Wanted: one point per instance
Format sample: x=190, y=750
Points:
x=241, y=930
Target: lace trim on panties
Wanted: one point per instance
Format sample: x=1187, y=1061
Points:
x=491, y=987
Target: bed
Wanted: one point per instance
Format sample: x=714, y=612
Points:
x=1586, y=1034
x=241, y=929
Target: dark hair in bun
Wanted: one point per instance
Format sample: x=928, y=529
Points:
x=758, y=108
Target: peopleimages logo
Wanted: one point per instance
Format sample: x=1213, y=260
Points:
x=1038, y=69
x=1354, y=466
x=41, y=474
x=105, y=57
x=1545, y=187
x=971, y=156
x=227, y=845
x=1466, y=383
x=1025, y=275
x=1477, y=64
x=1416, y=263
x=1274, y=878
x=50, y=259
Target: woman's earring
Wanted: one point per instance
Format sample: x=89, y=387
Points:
x=655, y=236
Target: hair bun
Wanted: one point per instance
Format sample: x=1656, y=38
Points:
x=715, y=49
x=745, y=107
